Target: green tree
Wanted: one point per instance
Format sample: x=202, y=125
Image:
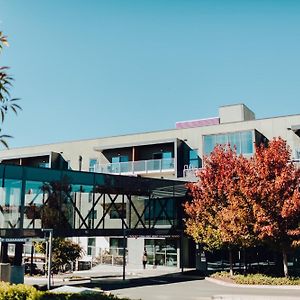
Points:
x=64, y=251
x=6, y=102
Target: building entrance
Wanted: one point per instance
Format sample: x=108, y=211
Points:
x=162, y=252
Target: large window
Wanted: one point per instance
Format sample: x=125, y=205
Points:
x=242, y=141
x=92, y=165
x=161, y=252
x=194, y=161
x=116, y=245
x=91, y=246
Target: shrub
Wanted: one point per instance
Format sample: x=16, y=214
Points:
x=17, y=292
x=83, y=296
x=26, y=292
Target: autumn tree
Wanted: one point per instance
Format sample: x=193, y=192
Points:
x=219, y=214
x=271, y=183
x=6, y=102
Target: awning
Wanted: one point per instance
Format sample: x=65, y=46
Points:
x=134, y=144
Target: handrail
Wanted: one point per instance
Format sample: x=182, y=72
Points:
x=136, y=167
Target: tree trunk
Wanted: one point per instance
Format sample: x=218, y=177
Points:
x=285, y=263
x=244, y=261
x=230, y=262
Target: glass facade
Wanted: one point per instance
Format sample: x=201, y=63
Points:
x=91, y=246
x=161, y=252
x=194, y=160
x=162, y=212
x=116, y=246
x=241, y=140
x=71, y=202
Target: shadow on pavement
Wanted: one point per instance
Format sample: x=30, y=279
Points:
x=110, y=284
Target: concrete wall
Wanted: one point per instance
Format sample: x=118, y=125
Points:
x=135, y=252
x=235, y=113
x=271, y=127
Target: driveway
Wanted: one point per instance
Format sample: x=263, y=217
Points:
x=188, y=288
x=163, y=284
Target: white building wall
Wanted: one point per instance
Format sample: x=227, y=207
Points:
x=193, y=137
x=135, y=248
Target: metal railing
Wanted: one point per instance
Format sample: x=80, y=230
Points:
x=296, y=162
x=190, y=172
x=137, y=167
x=111, y=256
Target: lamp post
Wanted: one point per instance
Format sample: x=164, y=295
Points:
x=50, y=231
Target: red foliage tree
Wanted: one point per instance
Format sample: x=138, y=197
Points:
x=219, y=214
x=239, y=201
x=271, y=183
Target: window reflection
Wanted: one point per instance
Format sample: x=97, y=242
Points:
x=242, y=141
x=10, y=201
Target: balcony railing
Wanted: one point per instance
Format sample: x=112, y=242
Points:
x=190, y=173
x=137, y=167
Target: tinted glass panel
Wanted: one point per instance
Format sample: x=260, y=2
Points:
x=246, y=142
x=10, y=201
x=209, y=143
x=194, y=161
x=241, y=141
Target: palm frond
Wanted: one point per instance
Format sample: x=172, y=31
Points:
x=3, y=140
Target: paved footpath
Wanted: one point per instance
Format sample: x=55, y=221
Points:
x=164, y=284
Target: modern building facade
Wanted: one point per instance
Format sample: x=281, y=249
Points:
x=168, y=154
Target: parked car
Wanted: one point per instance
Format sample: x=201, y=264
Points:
x=35, y=269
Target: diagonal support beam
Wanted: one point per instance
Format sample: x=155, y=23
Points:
x=107, y=210
x=162, y=209
x=138, y=215
x=92, y=208
x=77, y=210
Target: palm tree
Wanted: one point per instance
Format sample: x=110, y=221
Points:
x=6, y=102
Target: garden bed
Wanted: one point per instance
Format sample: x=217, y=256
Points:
x=255, y=279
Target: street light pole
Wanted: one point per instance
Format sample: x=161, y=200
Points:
x=49, y=256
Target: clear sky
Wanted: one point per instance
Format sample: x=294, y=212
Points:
x=92, y=68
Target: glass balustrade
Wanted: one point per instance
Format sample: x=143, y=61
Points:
x=140, y=166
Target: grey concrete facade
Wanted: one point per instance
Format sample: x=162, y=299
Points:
x=142, y=148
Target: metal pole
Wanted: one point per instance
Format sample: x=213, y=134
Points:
x=31, y=259
x=50, y=258
x=181, y=251
x=124, y=253
x=124, y=236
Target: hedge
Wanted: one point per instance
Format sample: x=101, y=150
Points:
x=258, y=279
x=26, y=292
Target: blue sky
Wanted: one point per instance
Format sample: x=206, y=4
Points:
x=92, y=68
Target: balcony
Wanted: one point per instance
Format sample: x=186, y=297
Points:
x=296, y=162
x=138, y=167
x=190, y=173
